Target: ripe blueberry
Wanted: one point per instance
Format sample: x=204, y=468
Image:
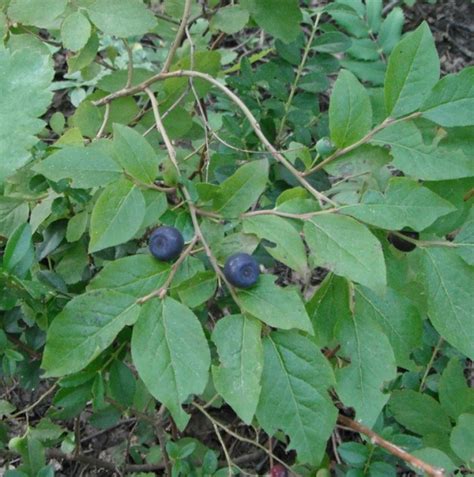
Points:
x=241, y=270
x=166, y=243
x=401, y=244
x=278, y=471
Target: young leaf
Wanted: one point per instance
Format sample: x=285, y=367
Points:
x=350, y=111
x=171, y=354
x=121, y=18
x=136, y=275
x=372, y=365
x=275, y=306
x=86, y=167
x=429, y=162
x=135, y=154
x=420, y=413
x=451, y=102
x=241, y=190
x=348, y=248
x=413, y=69
x=87, y=326
x=397, y=316
x=406, y=203
x=448, y=284
x=287, y=246
x=237, y=379
x=25, y=80
x=117, y=215
x=294, y=395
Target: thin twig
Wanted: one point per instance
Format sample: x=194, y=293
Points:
x=392, y=448
x=430, y=363
x=104, y=122
x=241, y=438
x=289, y=215
x=242, y=106
x=360, y=142
x=178, y=37
x=163, y=290
x=33, y=405
x=130, y=64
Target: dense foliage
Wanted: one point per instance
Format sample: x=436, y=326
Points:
x=318, y=142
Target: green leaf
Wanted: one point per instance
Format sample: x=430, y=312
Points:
x=19, y=252
x=77, y=226
x=350, y=111
x=451, y=101
x=121, y=18
x=39, y=13
x=391, y=30
x=13, y=212
x=135, y=154
x=75, y=31
x=397, y=316
x=279, y=18
x=464, y=239
x=122, y=383
x=136, y=275
x=372, y=365
x=462, y=438
x=294, y=395
x=87, y=326
x=241, y=190
x=286, y=247
x=237, y=379
x=329, y=304
x=24, y=83
x=406, y=203
x=171, y=354
x=86, y=167
x=455, y=395
x=230, y=19
x=415, y=158
x=374, y=14
x=331, y=42
x=413, y=69
x=275, y=306
x=86, y=56
x=436, y=458
x=198, y=289
x=348, y=248
x=419, y=413
x=117, y=215
x=448, y=285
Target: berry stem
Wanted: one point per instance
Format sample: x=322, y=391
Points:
x=163, y=290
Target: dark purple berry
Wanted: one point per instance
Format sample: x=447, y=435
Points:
x=403, y=245
x=241, y=270
x=166, y=243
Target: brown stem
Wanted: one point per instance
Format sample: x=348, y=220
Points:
x=179, y=36
x=242, y=106
x=365, y=139
x=392, y=448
